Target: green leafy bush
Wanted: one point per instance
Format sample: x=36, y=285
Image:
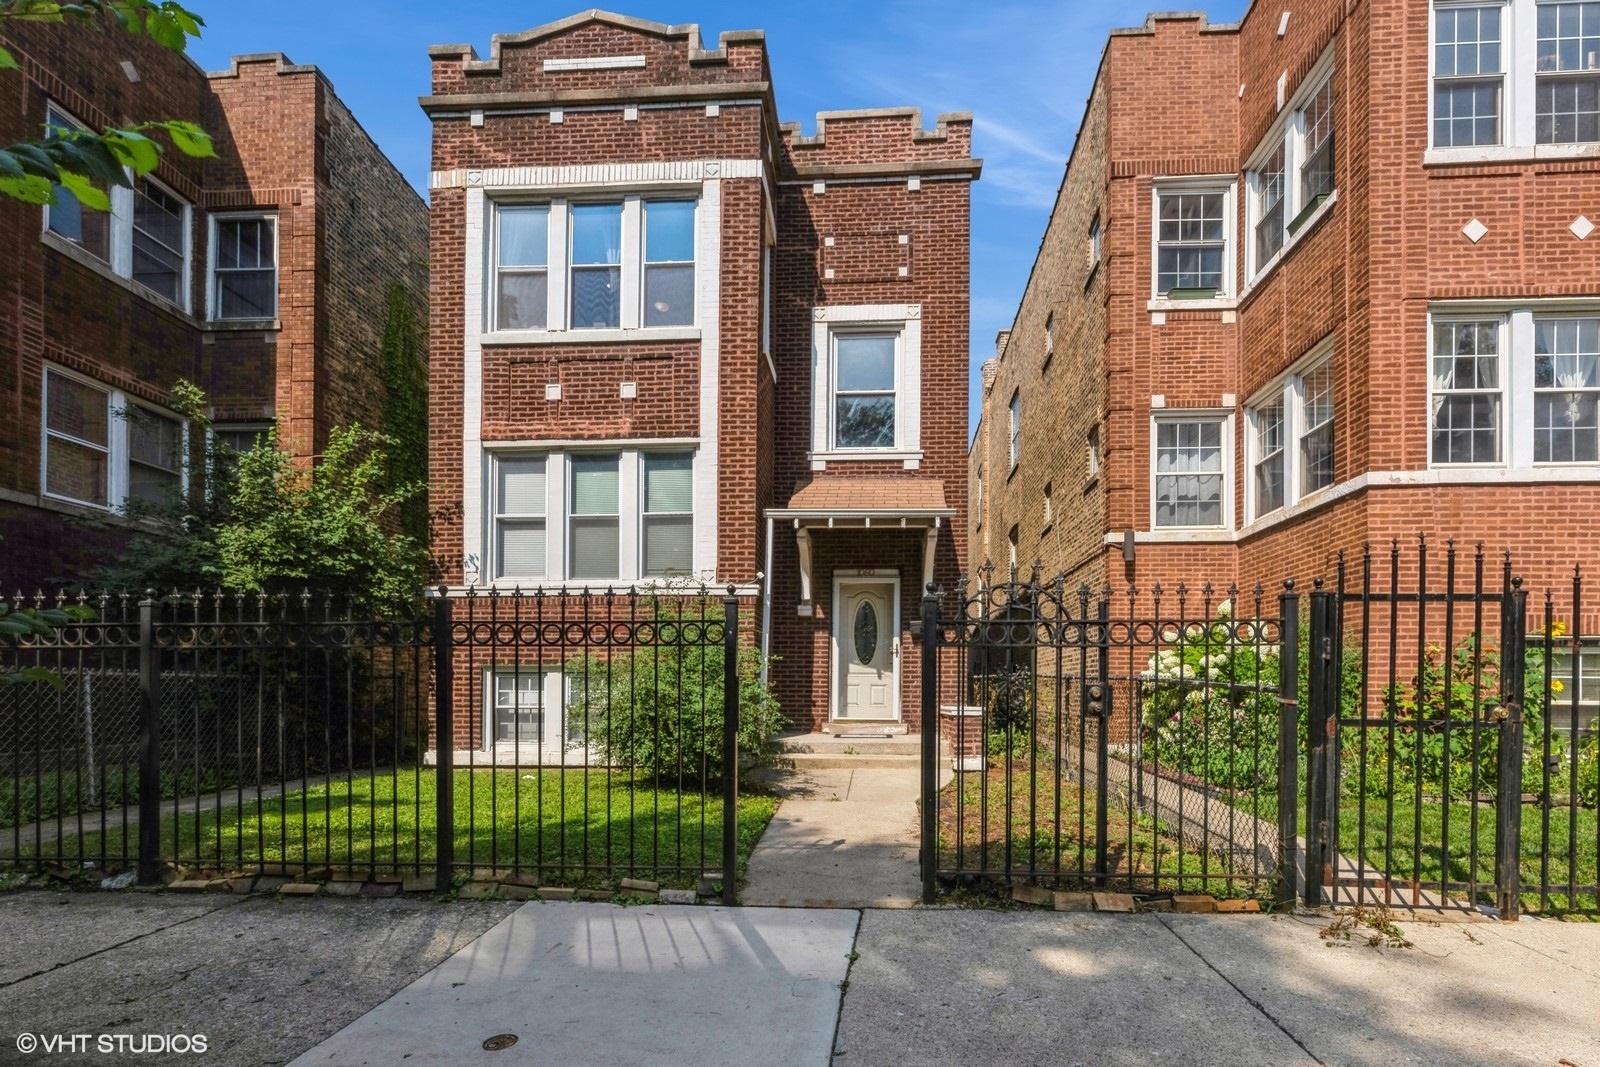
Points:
x=658, y=708
x=1436, y=710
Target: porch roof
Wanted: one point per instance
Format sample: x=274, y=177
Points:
x=916, y=501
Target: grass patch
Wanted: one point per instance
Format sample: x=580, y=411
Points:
x=574, y=827
x=1014, y=818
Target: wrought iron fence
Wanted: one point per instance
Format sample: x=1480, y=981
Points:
x=1411, y=738
x=561, y=736
x=1104, y=742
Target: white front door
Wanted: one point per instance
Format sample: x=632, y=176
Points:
x=867, y=648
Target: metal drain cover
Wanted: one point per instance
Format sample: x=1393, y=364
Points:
x=499, y=1042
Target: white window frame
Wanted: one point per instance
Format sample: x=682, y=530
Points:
x=1015, y=425
x=1221, y=416
x=1517, y=368
x=559, y=264
x=120, y=231
x=213, y=277
x=1289, y=392
x=555, y=693
x=1520, y=78
x=1290, y=132
x=117, y=447
x=1558, y=706
x=558, y=517
x=828, y=324
x=1225, y=184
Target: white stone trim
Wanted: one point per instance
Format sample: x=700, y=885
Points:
x=907, y=319
x=707, y=459
x=473, y=486
x=595, y=63
x=601, y=175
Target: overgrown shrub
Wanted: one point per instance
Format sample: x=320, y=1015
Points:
x=658, y=708
x=1436, y=709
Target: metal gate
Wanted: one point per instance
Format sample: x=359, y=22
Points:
x=1132, y=742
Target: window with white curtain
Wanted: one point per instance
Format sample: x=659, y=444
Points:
x=668, y=539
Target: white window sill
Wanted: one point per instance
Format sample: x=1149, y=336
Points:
x=1306, y=226
x=1215, y=303
x=1174, y=535
x=590, y=337
x=77, y=254
x=601, y=587
x=242, y=325
x=1521, y=153
x=911, y=458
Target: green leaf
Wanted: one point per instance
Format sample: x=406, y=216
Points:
x=133, y=149
x=87, y=193
x=33, y=159
x=188, y=138
x=37, y=674
x=30, y=189
x=8, y=61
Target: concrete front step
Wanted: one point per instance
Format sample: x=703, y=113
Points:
x=826, y=761
x=846, y=744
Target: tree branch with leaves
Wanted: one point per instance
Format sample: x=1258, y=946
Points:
x=86, y=162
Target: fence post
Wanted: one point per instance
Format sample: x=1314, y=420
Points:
x=1322, y=731
x=1508, y=798
x=1288, y=745
x=1102, y=751
x=444, y=794
x=730, y=749
x=930, y=744
x=149, y=743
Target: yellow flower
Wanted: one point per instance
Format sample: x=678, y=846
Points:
x=1556, y=686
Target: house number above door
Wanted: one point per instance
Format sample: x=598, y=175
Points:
x=866, y=632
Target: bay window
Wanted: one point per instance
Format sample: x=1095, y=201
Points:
x=1289, y=446
x=102, y=449
x=1291, y=175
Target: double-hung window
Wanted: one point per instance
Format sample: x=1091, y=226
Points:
x=1190, y=478
x=1567, y=82
x=1468, y=74
x=1566, y=387
x=864, y=388
x=624, y=263
x=145, y=237
x=591, y=516
x=1467, y=384
x=1519, y=388
x=1289, y=445
x=1575, y=705
x=1194, y=224
x=1291, y=174
x=244, y=267
x=102, y=449
x=1514, y=75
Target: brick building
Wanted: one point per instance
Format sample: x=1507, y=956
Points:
x=1319, y=278
x=261, y=275
x=672, y=337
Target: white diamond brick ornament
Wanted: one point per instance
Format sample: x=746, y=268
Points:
x=1581, y=227
x=1474, y=231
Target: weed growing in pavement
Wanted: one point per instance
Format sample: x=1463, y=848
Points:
x=1348, y=926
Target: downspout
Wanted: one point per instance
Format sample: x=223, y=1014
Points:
x=766, y=606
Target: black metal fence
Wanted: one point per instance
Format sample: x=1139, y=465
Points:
x=564, y=737
x=1405, y=734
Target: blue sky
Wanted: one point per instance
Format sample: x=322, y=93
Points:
x=1022, y=68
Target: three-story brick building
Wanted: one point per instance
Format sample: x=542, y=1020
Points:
x=674, y=339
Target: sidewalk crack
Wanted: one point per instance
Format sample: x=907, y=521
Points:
x=137, y=937
x=1248, y=999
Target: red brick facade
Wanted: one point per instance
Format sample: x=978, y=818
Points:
x=864, y=224
x=1417, y=233
x=347, y=227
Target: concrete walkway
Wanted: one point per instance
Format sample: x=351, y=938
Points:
x=353, y=981
x=842, y=838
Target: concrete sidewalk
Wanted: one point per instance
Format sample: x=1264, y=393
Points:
x=353, y=981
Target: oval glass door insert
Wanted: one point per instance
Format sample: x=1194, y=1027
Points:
x=866, y=632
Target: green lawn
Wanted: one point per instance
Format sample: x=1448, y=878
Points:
x=1046, y=823
x=1406, y=857
x=567, y=827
